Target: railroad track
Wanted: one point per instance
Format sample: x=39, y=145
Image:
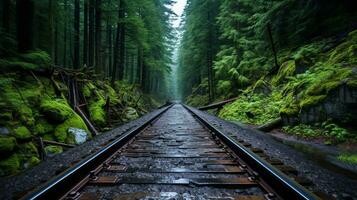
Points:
x=174, y=155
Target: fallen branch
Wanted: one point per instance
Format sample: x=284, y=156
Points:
x=218, y=104
x=58, y=143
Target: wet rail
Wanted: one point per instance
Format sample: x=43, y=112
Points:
x=174, y=155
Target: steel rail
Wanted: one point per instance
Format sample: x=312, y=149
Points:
x=281, y=183
x=59, y=186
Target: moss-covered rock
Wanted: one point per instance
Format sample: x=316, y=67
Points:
x=28, y=149
x=61, y=131
x=33, y=161
x=52, y=150
x=10, y=165
x=56, y=110
x=42, y=127
x=287, y=69
x=22, y=133
x=96, y=110
x=7, y=144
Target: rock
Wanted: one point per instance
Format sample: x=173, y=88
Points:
x=79, y=135
x=32, y=162
x=56, y=110
x=29, y=149
x=7, y=144
x=43, y=127
x=354, y=70
x=52, y=150
x=61, y=131
x=131, y=113
x=22, y=133
x=4, y=131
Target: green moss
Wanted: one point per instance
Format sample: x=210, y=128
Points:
x=286, y=69
x=312, y=100
x=75, y=121
x=348, y=158
x=7, y=144
x=97, y=113
x=112, y=94
x=22, y=133
x=42, y=127
x=10, y=165
x=346, y=52
x=28, y=148
x=49, y=137
x=6, y=116
x=327, y=130
x=11, y=65
x=33, y=161
x=88, y=88
x=53, y=149
x=56, y=110
x=40, y=58
x=253, y=109
x=352, y=83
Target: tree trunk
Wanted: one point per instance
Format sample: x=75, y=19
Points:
x=6, y=15
x=85, y=33
x=76, y=35
x=51, y=38
x=116, y=51
x=139, y=68
x=210, y=57
x=25, y=17
x=121, y=41
x=91, y=43
x=56, y=43
x=98, y=36
x=65, y=35
x=110, y=47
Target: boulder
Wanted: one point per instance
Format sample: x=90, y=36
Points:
x=79, y=135
x=56, y=111
x=22, y=133
x=52, y=150
x=7, y=144
x=131, y=113
x=4, y=131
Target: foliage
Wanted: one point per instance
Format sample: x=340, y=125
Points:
x=327, y=130
x=252, y=109
x=7, y=144
x=348, y=158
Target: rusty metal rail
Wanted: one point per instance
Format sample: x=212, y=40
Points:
x=171, y=152
x=287, y=188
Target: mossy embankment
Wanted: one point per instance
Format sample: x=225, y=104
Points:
x=314, y=92
x=33, y=104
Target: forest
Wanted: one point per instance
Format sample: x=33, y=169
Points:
x=287, y=61
x=73, y=69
